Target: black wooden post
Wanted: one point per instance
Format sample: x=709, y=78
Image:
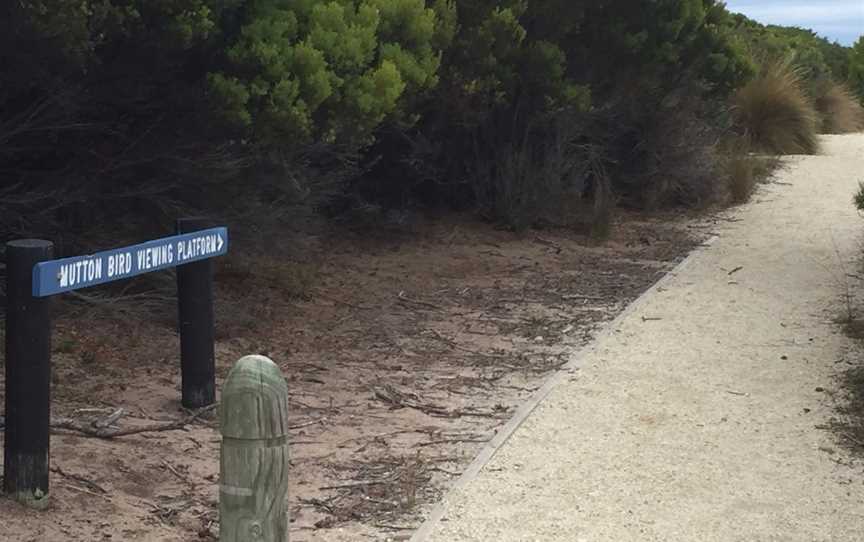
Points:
x=195, y=311
x=28, y=376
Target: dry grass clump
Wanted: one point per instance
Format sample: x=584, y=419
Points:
x=774, y=112
x=839, y=110
x=742, y=168
x=742, y=180
x=745, y=172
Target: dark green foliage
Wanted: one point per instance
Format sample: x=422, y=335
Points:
x=816, y=59
x=534, y=112
x=655, y=45
x=856, y=68
x=518, y=71
x=99, y=110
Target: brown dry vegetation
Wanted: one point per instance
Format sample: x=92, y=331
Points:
x=839, y=109
x=744, y=172
x=775, y=113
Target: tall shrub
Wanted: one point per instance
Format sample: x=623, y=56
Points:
x=517, y=69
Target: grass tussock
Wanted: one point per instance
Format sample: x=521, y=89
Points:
x=744, y=173
x=840, y=111
x=743, y=169
x=775, y=113
x=742, y=178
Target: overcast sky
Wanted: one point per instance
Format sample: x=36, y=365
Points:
x=837, y=20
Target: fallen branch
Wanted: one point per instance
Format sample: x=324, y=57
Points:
x=87, y=491
x=110, y=420
x=359, y=483
x=307, y=424
x=394, y=397
x=568, y=297
x=397, y=399
x=80, y=479
x=404, y=299
x=105, y=432
x=393, y=527
x=451, y=441
x=174, y=471
x=454, y=344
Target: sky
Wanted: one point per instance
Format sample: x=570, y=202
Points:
x=837, y=20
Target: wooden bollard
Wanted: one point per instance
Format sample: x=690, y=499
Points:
x=254, y=457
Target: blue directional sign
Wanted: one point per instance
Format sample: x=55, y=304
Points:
x=58, y=276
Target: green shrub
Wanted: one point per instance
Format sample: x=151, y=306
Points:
x=486, y=138
x=816, y=59
x=775, y=114
x=328, y=71
x=856, y=69
x=839, y=110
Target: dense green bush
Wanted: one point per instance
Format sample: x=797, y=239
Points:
x=535, y=112
x=856, y=68
x=331, y=71
x=815, y=58
x=519, y=70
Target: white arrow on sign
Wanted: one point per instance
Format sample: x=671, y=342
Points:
x=219, y=242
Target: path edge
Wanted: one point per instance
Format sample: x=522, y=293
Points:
x=506, y=431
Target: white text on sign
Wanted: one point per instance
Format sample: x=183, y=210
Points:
x=119, y=264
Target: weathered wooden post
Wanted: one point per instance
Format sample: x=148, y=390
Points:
x=28, y=376
x=254, y=457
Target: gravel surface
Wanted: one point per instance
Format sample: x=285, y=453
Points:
x=698, y=416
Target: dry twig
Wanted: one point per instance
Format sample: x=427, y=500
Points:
x=404, y=299
x=94, y=429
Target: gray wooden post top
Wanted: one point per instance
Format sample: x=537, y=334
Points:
x=254, y=401
x=253, y=479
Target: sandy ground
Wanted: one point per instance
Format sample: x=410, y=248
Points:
x=701, y=415
x=407, y=350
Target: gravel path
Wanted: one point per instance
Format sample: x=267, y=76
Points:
x=694, y=418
